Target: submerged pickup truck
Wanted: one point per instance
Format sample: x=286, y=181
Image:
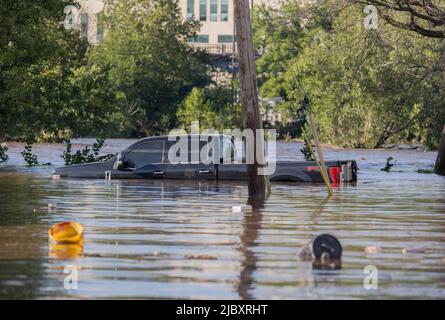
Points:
x=148, y=158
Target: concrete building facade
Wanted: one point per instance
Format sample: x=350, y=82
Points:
x=87, y=17
x=217, y=22
x=216, y=18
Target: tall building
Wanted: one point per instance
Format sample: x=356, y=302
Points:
x=216, y=34
x=217, y=22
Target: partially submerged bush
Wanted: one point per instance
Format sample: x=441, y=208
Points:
x=29, y=157
x=425, y=171
x=390, y=162
x=87, y=154
x=3, y=155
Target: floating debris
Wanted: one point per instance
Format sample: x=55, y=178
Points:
x=52, y=207
x=373, y=249
x=325, y=257
x=414, y=250
x=425, y=171
x=324, y=252
x=157, y=254
x=201, y=257
x=305, y=253
x=244, y=208
x=327, y=251
x=92, y=255
x=66, y=232
x=327, y=244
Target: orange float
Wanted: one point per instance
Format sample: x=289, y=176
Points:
x=66, y=232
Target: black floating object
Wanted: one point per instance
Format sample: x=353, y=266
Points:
x=328, y=244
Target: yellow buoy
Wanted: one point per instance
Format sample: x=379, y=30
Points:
x=66, y=232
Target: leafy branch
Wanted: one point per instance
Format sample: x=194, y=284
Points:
x=30, y=158
x=3, y=155
x=85, y=155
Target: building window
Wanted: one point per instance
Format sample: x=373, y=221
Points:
x=202, y=10
x=225, y=38
x=84, y=25
x=213, y=10
x=201, y=38
x=190, y=9
x=224, y=10
x=100, y=27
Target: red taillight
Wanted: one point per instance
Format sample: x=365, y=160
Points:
x=334, y=173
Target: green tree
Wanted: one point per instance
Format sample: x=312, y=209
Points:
x=211, y=107
x=3, y=156
x=92, y=106
x=278, y=37
x=37, y=56
x=148, y=62
x=196, y=108
x=367, y=86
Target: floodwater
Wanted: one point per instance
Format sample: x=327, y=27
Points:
x=179, y=239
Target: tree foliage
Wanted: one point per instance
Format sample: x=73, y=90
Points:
x=278, y=37
x=425, y=17
x=212, y=107
x=367, y=87
x=30, y=158
x=3, y=156
x=148, y=62
x=55, y=86
x=37, y=56
x=86, y=155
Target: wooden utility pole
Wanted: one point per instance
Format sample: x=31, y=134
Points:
x=258, y=185
x=439, y=168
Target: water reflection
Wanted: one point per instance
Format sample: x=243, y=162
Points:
x=65, y=250
x=251, y=227
x=326, y=264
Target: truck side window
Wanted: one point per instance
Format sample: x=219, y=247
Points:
x=228, y=151
x=145, y=153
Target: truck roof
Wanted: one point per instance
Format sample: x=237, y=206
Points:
x=165, y=137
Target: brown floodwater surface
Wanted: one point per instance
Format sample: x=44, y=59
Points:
x=179, y=239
